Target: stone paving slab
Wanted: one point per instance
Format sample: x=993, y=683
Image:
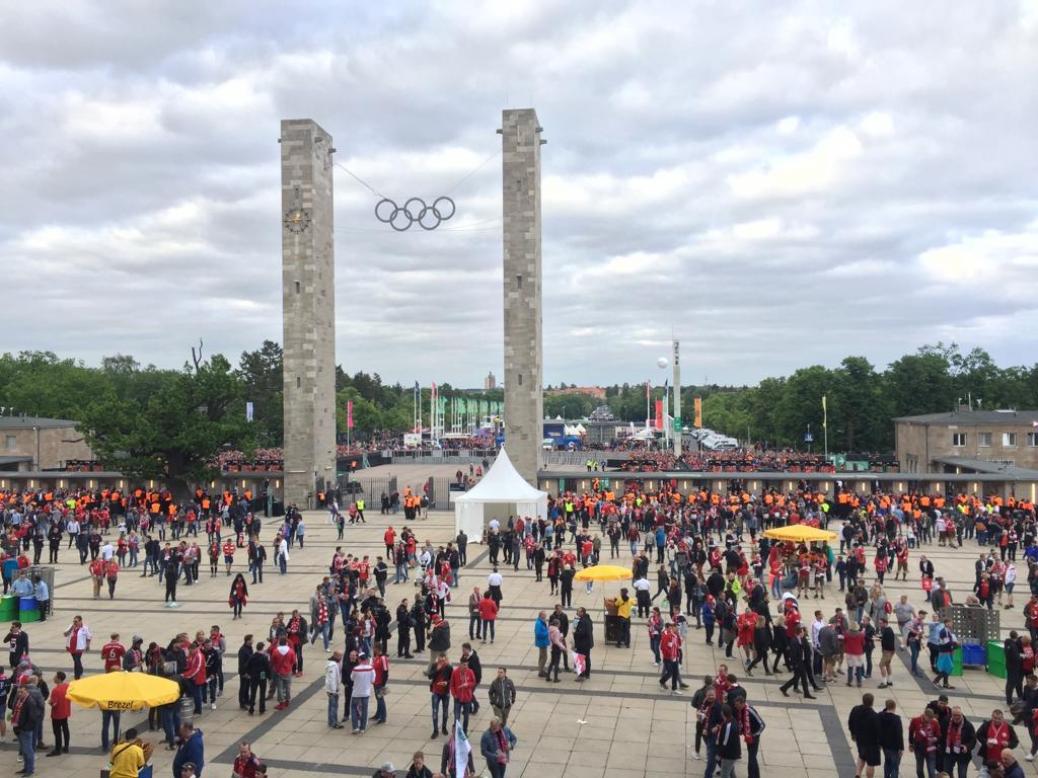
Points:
x=628, y=729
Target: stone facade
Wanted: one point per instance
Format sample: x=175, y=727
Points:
x=993, y=436
x=50, y=442
x=521, y=180
x=308, y=296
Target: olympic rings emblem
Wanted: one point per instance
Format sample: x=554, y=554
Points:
x=428, y=217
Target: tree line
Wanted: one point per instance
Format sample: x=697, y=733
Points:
x=162, y=423
x=861, y=400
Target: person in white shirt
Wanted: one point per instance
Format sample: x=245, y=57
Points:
x=333, y=687
x=494, y=525
x=363, y=677
x=107, y=551
x=643, y=596
x=494, y=581
x=1010, y=581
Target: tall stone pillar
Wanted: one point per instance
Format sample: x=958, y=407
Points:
x=521, y=179
x=308, y=305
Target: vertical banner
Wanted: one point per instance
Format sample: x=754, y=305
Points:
x=349, y=414
x=659, y=414
x=697, y=407
x=248, y=411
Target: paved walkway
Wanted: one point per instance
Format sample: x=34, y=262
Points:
x=617, y=724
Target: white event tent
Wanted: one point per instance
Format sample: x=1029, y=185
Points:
x=501, y=493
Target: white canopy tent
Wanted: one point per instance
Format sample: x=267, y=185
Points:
x=501, y=493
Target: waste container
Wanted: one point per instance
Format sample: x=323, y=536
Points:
x=973, y=655
x=996, y=659
x=9, y=608
x=612, y=628
x=957, y=662
x=28, y=610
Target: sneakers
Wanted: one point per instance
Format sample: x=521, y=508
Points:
x=1028, y=757
x=212, y=706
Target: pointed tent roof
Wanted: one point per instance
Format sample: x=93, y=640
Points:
x=502, y=483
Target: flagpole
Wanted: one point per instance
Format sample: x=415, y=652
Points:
x=825, y=427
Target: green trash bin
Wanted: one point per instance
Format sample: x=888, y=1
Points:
x=996, y=659
x=957, y=662
x=9, y=608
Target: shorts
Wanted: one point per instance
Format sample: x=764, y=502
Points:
x=869, y=755
x=855, y=660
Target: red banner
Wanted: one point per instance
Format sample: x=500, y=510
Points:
x=659, y=414
x=349, y=414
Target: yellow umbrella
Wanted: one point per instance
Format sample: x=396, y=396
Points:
x=799, y=533
x=123, y=691
x=603, y=573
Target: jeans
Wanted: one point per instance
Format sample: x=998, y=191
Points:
x=929, y=760
x=654, y=646
x=258, y=689
x=488, y=628
x=196, y=695
x=333, y=710
x=891, y=762
x=326, y=636
x=752, y=767
x=61, y=739
x=170, y=721
x=462, y=710
x=109, y=716
x=77, y=665
x=380, y=708
x=728, y=768
x=711, y=758
x=359, y=713
x=437, y=702
x=400, y=576
x=28, y=751
x=475, y=625
x=913, y=649
x=282, y=564
x=283, y=687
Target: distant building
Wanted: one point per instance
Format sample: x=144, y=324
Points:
x=932, y=442
x=591, y=391
x=489, y=382
x=32, y=443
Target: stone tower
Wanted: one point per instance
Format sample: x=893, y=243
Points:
x=308, y=300
x=521, y=181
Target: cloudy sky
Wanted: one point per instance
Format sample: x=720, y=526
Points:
x=778, y=184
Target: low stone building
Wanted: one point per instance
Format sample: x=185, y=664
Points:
x=1005, y=437
x=33, y=443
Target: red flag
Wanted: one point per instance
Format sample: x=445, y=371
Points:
x=659, y=414
x=349, y=414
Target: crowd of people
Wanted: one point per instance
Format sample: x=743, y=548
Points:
x=703, y=553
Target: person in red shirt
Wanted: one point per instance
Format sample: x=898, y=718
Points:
x=380, y=663
x=488, y=615
x=924, y=733
x=111, y=575
x=112, y=653
x=246, y=765
x=97, y=576
x=60, y=711
x=228, y=554
x=283, y=662
x=463, y=688
x=389, y=538
x=670, y=647
x=195, y=675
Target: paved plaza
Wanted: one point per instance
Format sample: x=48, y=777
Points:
x=617, y=724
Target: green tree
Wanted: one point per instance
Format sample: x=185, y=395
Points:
x=262, y=373
x=176, y=435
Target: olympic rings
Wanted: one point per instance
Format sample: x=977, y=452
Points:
x=414, y=210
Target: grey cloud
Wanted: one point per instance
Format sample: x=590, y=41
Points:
x=141, y=164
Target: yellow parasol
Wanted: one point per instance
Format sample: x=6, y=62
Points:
x=800, y=533
x=603, y=573
x=123, y=691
